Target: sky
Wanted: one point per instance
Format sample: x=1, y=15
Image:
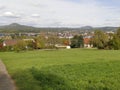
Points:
x=60, y=13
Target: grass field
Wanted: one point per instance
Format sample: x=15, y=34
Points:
x=75, y=69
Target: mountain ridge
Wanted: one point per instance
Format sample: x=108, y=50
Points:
x=15, y=27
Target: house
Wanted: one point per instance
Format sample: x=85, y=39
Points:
x=10, y=42
x=87, y=42
x=29, y=40
x=62, y=46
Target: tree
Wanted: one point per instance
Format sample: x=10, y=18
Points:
x=100, y=39
x=115, y=42
x=39, y=42
x=118, y=32
x=20, y=46
x=52, y=41
x=77, y=42
x=1, y=43
x=30, y=44
x=64, y=41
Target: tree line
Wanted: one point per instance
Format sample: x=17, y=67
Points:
x=38, y=42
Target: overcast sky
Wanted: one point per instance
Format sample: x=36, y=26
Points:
x=60, y=13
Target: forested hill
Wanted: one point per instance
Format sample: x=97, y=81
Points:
x=14, y=27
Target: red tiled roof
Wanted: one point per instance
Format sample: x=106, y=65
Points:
x=10, y=42
x=87, y=40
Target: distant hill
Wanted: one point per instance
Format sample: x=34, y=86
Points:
x=87, y=28
x=99, y=28
x=16, y=28
x=107, y=28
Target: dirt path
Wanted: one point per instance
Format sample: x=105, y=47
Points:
x=6, y=82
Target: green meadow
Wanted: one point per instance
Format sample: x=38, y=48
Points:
x=75, y=69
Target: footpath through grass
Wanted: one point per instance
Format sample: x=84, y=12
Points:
x=77, y=69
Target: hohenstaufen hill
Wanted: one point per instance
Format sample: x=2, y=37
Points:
x=16, y=28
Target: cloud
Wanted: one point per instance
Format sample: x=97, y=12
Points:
x=10, y=15
x=35, y=15
x=62, y=12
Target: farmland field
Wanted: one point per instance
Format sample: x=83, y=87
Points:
x=75, y=69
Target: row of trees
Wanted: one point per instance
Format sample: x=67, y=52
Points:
x=39, y=42
x=102, y=40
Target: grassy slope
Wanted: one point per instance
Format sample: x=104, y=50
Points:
x=64, y=69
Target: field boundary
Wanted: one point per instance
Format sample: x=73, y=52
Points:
x=6, y=82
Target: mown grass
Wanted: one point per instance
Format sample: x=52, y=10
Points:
x=76, y=69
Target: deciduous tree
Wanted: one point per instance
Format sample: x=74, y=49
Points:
x=100, y=39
